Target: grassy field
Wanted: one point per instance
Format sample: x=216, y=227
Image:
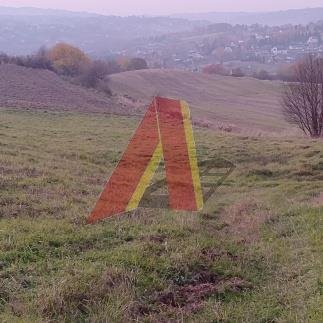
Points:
x=253, y=255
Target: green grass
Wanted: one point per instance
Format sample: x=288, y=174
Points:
x=253, y=254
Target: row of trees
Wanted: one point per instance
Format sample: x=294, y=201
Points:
x=285, y=73
x=70, y=61
x=219, y=69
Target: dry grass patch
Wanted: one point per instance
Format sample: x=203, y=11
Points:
x=317, y=201
x=244, y=219
x=78, y=294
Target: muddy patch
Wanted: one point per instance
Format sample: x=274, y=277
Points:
x=189, y=296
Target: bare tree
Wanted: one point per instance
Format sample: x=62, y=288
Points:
x=303, y=99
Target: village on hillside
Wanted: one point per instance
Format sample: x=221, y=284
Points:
x=246, y=47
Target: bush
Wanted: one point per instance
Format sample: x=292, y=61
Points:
x=68, y=60
x=217, y=69
x=4, y=58
x=113, y=67
x=94, y=72
x=39, y=60
x=237, y=72
x=262, y=75
x=137, y=64
x=95, y=75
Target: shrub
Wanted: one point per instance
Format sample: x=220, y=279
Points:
x=262, y=75
x=68, y=60
x=93, y=72
x=94, y=75
x=39, y=60
x=237, y=72
x=218, y=69
x=137, y=64
x=4, y=58
x=113, y=67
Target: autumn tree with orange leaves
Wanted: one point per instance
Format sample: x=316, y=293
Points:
x=67, y=59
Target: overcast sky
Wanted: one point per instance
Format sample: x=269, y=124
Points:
x=155, y=7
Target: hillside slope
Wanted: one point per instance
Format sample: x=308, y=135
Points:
x=273, y=18
x=24, y=30
x=242, y=102
x=254, y=254
x=234, y=104
x=22, y=87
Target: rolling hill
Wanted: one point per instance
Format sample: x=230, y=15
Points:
x=25, y=30
x=22, y=87
x=237, y=103
x=274, y=18
x=232, y=104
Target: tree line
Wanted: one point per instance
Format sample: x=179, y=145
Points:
x=285, y=72
x=71, y=62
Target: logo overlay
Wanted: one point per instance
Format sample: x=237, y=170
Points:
x=165, y=132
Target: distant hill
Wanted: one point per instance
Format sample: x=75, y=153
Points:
x=295, y=16
x=30, y=11
x=24, y=30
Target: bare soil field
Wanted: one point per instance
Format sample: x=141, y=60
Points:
x=242, y=105
x=22, y=87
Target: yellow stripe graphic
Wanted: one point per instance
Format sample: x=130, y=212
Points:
x=145, y=179
x=192, y=155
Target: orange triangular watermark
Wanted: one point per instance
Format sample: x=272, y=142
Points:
x=165, y=132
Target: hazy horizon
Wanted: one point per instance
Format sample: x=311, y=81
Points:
x=149, y=7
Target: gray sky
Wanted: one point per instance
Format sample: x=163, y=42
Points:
x=155, y=7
